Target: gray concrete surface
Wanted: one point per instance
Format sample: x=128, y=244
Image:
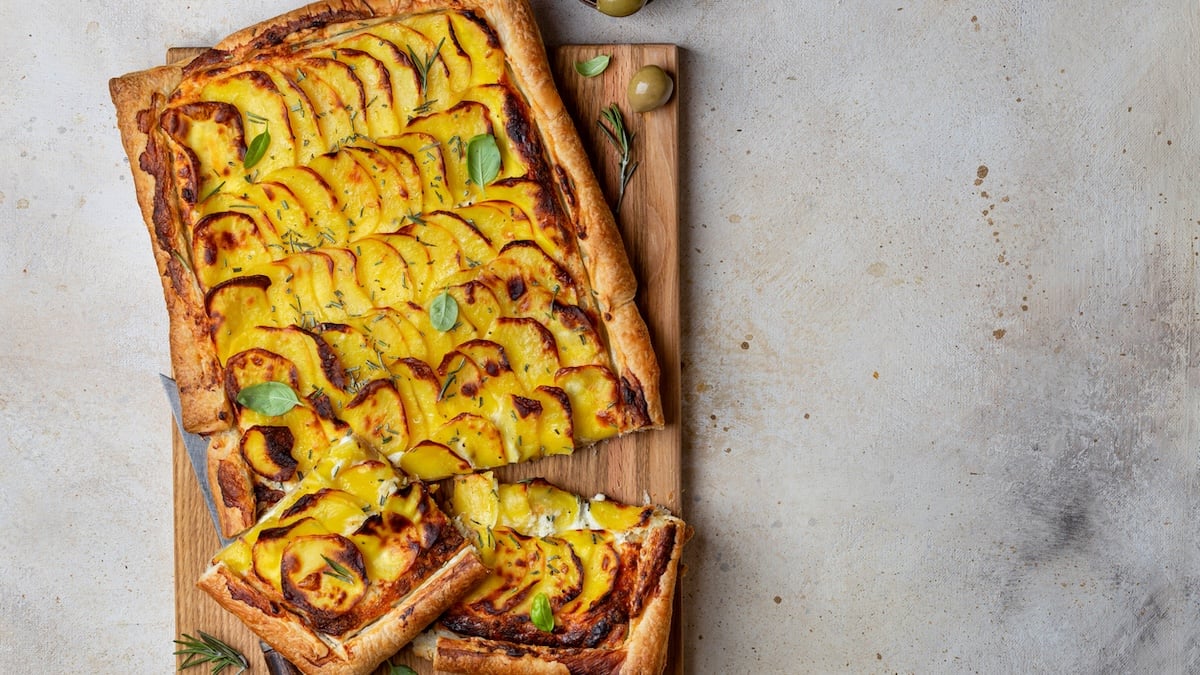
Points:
x=936, y=420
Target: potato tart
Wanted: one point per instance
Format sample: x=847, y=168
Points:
x=383, y=206
x=577, y=585
x=347, y=568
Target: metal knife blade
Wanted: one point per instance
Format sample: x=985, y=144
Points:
x=197, y=452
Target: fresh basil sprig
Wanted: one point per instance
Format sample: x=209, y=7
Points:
x=483, y=159
x=268, y=398
x=593, y=66
x=257, y=149
x=541, y=614
x=400, y=669
x=443, y=311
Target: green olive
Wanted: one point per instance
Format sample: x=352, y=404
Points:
x=650, y=88
x=619, y=7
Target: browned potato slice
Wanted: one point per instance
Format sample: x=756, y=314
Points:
x=377, y=415
x=591, y=389
x=267, y=551
x=323, y=574
x=225, y=245
x=268, y=452
x=433, y=461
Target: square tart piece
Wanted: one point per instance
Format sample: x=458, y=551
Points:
x=384, y=205
x=602, y=572
x=346, y=569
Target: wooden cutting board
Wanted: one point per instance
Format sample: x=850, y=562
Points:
x=631, y=469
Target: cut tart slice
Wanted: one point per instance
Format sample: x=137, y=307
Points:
x=384, y=206
x=576, y=586
x=344, y=570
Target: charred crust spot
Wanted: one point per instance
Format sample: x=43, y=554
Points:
x=469, y=389
x=321, y=404
x=527, y=143
x=557, y=271
x=277, y=34
x=179, y=275
x=635, y=401
x=565, y=185
x=210, y=244
x=373, y=526
x=304, y=502
x=571, y=316
x=234, y=485
x=248, y=596
x=265, y=497
x=260, y=79
x=330, y=364
x=492, y=38
x=144, y=118
x=420, y=369
x=367, y=392
x=278, y=442
x=559, y=395
x=515, y=287
x=206, y=59
x=261, y=281
x=658, y=556
x=526, y=406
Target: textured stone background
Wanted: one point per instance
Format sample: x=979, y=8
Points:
x=940, y=341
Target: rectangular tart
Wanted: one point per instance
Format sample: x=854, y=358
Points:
x=383, y=206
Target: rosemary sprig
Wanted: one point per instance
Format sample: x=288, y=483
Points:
x=423, y=65
x=451, y=378
x=622, y=141
x=337, y=571
x=208, y=649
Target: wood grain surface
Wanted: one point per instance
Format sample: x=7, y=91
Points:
x=639, y=467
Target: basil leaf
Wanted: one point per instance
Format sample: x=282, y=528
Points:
x=593, y=66
x=443, y=312
x=483, y=159
x=400, y=670
x=268, y=398
x=541, y=614
x=256, y=149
